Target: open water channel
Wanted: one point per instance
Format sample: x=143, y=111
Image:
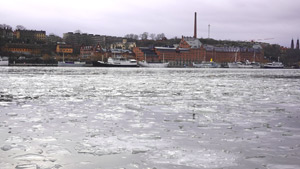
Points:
x=94, y=118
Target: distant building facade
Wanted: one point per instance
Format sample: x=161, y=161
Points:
x=86, y=51
x=62, y=48
x=6, y=33
x=123, y=45
x=23, y=49
x=191, y=50
x=30, y=36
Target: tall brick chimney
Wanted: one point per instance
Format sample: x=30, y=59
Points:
x=292, y=44
x=297, y=45
x=195, y=26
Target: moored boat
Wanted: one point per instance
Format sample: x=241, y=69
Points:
x=273, y=65
x=205, y=64
x=144, y=63
x=116, y=62
x=4, y=61
x=245, y=65
x=153, y=65
x=71, y=64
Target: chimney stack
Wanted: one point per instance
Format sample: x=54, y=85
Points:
x=297, y=45
x=195, y=26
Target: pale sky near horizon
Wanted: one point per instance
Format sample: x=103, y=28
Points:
x=276, y=21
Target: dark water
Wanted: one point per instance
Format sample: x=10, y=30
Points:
x=74, y=118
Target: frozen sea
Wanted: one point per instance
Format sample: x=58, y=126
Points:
x=109, y=118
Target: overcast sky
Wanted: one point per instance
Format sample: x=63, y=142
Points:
x=229, y=19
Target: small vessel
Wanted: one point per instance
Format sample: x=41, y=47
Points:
x=144, y=63
x=235, y=64
x=274, y=65
x=205, y=64
x=245, y=65
x=153, y=65
x=116, y=62
x=3, y=61
x=71, y=64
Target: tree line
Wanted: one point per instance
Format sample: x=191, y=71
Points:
x=145, y=36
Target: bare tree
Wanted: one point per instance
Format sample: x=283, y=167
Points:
x=4, y=26
x=160, y=36
x=132, y=36
x=144, y=36
x=152, y=36
x=136, y=37
x=77, y=31
x=20, y=27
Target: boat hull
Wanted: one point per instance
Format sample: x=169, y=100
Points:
x=274, y=65
x=153, y=65
x=239, y=65
x=4, y=63
x=71, y=64
x=102, y=64
x=206, y=65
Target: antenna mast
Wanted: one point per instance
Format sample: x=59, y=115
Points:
x=208, y=31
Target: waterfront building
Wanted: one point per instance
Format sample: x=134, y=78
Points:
x=191, y=50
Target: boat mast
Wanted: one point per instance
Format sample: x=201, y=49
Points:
x=235, y=57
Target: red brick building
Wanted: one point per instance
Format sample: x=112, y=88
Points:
x=191, y=50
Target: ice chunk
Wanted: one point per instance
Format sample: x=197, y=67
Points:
x=6, y=147
x=27, y=166
x=30, y=157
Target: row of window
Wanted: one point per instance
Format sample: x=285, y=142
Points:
x=20, y=49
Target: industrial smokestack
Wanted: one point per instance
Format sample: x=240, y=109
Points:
x=195, y=26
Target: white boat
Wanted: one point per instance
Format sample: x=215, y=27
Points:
x=205, y=64
x=153, y=65
x=3, y=61
x=239, y=65
x=235, y=64
x=274, y=65
x=71, y=64
x=163, y=64
x=256, y=65
x=116, y=62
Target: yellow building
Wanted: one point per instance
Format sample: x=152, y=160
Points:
x=25, y=49
x=31, y=36
x=63, y=48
